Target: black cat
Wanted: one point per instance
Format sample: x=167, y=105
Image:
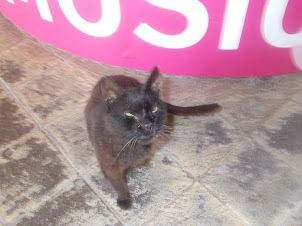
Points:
x=123, y=119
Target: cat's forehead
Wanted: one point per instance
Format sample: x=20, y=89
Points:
x=139, y=99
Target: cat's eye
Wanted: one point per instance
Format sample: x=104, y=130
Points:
x=129, y=114
x=154, y=109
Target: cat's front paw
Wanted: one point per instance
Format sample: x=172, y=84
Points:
x=124, y=203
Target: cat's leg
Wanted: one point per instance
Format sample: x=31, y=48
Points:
x=117, y=178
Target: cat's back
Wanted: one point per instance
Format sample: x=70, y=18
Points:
x=94, y=110
x=95, y=99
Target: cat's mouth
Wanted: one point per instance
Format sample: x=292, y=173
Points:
x=145, y=139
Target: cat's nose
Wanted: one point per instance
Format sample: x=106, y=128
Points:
x=146, y=126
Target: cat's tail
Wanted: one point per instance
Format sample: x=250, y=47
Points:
x=194, y=110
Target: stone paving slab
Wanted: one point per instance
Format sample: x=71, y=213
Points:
x=201, y=91
x=297, y=97
x=31, y=170
x=56, y=93
x=152, y=187
x=247, y=113
x=2, y=90
x=256, y=184
x=281, y=134
x=14, y=122
x=74, y=205
x=284, y=85
x=196, y=207
x=295, y=219
x=249, y=102
x=71, y=134
x=199, y=143
x=61, y=55
x=9, y=34
x=16, y=68
x=246, y=102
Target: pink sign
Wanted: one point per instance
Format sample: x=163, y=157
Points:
x=211, y=38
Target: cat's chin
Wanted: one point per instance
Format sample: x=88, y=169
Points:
x=145, y=141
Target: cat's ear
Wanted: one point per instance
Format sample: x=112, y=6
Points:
x=110, y=90
x=154, y=81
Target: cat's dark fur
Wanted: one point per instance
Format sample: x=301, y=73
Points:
x=123, y=119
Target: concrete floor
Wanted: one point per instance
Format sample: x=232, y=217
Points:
x=242, y=166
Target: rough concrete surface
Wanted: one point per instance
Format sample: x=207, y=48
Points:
x=242, y=166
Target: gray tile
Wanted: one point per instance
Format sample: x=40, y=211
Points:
x=9, y=34
x=256, y=184
x=70, y=132
x=297, y=97
x=152, y=187
x=249, y=102
x=248, y=113
x=196, y=207
x=25, y=61
x=281, y=134
x=55, y=94
x=294, y=219
x=246, y=102
x=199, y=143
x=10, y=70
x=281, y=85
x=60, y=54
x=74, y=205
x=30, y=171
x=188, y=91
x=14, y=123
x=231, y=92
x=2, y=90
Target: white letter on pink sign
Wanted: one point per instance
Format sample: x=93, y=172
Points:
x=12, y=1
x=234, y=17
x=272, y=29
x=197, y=24
x=106, y=26
x=44, y=10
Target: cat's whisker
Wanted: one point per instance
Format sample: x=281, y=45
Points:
x=124, y=147
x=164, y=132
x=171, y=131
x=133, y=143
x=162, y=136
x=132, y=146
x=167, y=131
x=167, y=127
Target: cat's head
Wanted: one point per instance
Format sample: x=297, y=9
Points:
x=137, y=112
